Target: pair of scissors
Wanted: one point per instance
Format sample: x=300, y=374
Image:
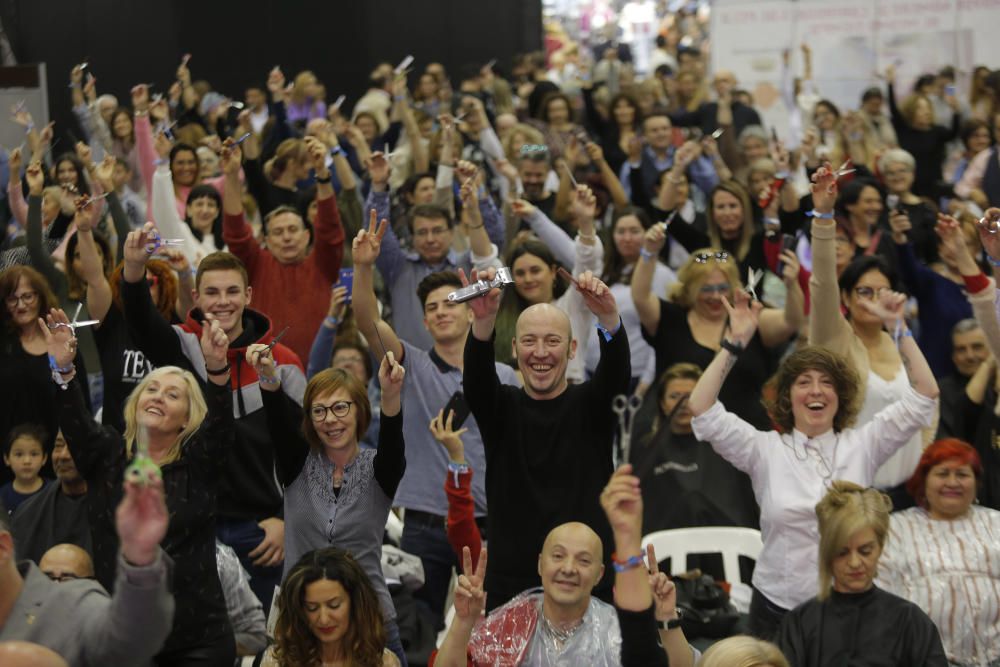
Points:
x=753, y=279
x=76, y=323
x=276, y=339
x=625, y=407
x=158, y=242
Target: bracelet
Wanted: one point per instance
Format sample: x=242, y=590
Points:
x=991, y=260
x=58, y=369
x=457, y=469
x=645, y=254
x=331, y=321
x=626, y=565
x=822, y=216
x=269, y=380
x=61, y=380
x=325, y=181
x=336, y=150
x=732, y=348
x=218, y=371
x=673, y=623
x=141, y=112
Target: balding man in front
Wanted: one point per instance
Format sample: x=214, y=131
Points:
x=549, y=444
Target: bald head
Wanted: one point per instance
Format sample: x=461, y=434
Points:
x=570, y=565
x=26, y=654
x=576, y=533
x=543, y=346
x=66, y=561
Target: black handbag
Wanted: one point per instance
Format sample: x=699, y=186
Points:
x=705, y=608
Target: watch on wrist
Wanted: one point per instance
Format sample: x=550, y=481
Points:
x=671, y=624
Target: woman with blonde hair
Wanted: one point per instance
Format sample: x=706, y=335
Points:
x=169, y=424
x=743, y=651
x=328, y=613
x=850, y=620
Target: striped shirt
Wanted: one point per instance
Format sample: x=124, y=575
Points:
x=951, y=570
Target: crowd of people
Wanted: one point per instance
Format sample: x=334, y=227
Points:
x=237, y=345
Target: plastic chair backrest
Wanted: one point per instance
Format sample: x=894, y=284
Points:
x=732, y=542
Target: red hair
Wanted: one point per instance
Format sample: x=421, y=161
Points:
x=937, y=453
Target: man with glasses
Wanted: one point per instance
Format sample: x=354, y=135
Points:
x=432, y=230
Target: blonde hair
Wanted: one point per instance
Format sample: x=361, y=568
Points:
x=844, y=510
x=298, y=87
x=197, y=411
x=743, y=651
x=746, y=231
x=288, y=150
x=693, y=275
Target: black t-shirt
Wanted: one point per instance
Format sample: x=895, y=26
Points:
x=741, y=392
x=124, y=366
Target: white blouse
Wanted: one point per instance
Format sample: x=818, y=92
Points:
x=951, y=570
x=790, y=473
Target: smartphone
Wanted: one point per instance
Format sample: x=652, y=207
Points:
x=787, y=243
x=461, y=408
x=346, y=279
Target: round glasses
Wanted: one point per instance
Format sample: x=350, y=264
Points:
x=339, y=409
x=28, y=299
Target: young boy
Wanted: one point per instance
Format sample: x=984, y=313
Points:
x=24, y=455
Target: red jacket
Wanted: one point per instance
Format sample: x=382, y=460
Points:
x=295, y=295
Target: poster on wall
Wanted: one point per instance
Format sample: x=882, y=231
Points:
x=852, y=43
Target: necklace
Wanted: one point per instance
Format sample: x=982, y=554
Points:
x=561, y=635
x=824, y=468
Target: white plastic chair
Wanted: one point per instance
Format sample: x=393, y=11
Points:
x=731, y=541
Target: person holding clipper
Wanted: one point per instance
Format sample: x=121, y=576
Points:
x=188, y=435
x=433, y=383
x=551, y=440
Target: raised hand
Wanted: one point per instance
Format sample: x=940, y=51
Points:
x=214, y=343
x=141, y=519
x=789, y=267
x=105, y=173
x=231, y=158
x=441, y=429
x=621, y=500
x=485, y=307
x=368, y=243
x=390, y=377
x=140, y=97
x=889, y=307
x=655, y=238
x=522, y=208
x=583, y=205
x=317, y=154
x=14, y=164
x=82, y=217
x=36, y=178
x=84, y=153
x=470, y=598
x=163, y=145
x=60, y=339
x=134, y=253
x=664, y=591
x=744, y=313
x=378, y=167
x=598, y=299
x=177, y=260
x=466, y=170
x=899, y=222
x=989, y=239
x=594, y=152
x=338, y=303
x=824, y=189
x=260, y=358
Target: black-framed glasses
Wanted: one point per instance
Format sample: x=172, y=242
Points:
x=870, y=293
x=27, y=298
x=339, y=409
x=60, y=577
x=703, y=257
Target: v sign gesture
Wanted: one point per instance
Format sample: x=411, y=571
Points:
x=368, y=243
x=470, y=598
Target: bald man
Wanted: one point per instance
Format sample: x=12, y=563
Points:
x=570, y=566
x=65, y=562
x=549, y=444
x=26, y=654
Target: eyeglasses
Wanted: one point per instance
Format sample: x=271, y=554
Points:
x=721, y=288
x=703, y=257
x=870, y=293
x=28, y=299
x=64, y=576
x=534, y=150
x=339, y=409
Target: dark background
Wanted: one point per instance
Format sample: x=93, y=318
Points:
x=234, y=44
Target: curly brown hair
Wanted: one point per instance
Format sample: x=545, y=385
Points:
x=846, y=382
x=295, y=643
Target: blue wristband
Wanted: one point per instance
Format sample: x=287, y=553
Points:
x=822, y=216
x=626, y=565
x=457, y=469
x=645, y=254
x=53, y=366
x=991, y=260
x=607, y=333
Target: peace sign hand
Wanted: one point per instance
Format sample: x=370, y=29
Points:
x=664, y=591
x=470, y=598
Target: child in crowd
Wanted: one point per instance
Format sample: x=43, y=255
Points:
x=24, y=454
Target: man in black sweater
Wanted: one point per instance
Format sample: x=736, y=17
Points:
x=549, y=444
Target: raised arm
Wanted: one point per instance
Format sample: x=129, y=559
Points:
x=390, y=461
x=827, y=325
x=391, y=256
x=889, y=308
x=321, y=351
x=549, y=232
x=470, y=602
x=483, y=250
x=462, y=529
x=401, y=108
x=328, y=248
x=145, y=152
x=777, y=326
x=236, y=232
x=608, y=175
x=366, y=248
x=92, y=269
x=743, y=318
x=15, y=193
x=647, y=304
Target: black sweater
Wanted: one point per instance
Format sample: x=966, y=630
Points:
x=926, y=146
x=546, y=460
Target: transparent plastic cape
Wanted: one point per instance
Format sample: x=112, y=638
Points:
x=514, y=634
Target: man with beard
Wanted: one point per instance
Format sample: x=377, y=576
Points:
x=549, y=445
x=57, y=514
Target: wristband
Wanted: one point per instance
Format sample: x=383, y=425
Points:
x=608, y=333
x=218, y=371
x=331, y=321
x=626, y=565
x=992, y=261
x=822, y=216
x=671, y=624
x=336, y=150
x=732, y=348
x=161, y=161
x=645, y=254
x=62, y=381
x=457, y=469
x=327, y=180
x=57, y=369
x=141, y=112
x=269, y=380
